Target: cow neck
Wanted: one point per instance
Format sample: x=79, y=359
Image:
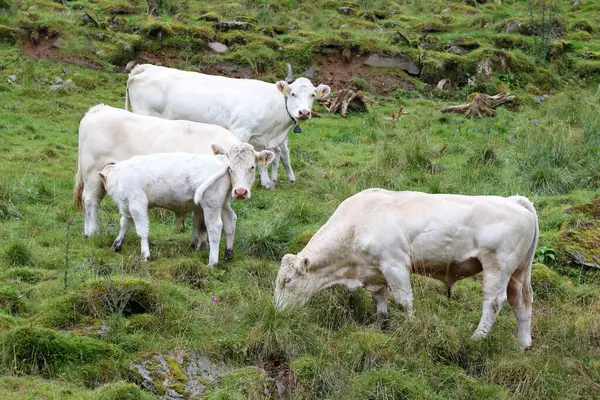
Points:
x=297, y=128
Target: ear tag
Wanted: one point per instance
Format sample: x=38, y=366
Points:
x=262, y=162
x=297, y=129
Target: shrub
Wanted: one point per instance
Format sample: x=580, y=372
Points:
x=122, y=391
x=18, y=254
x=11, y=299
x=32, y=350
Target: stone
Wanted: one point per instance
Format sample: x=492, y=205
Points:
x=399, y=37
x=446, y=10
x=218, y=47
x=233, y=25
x=457, y=50
x=210, y=16
x=54, y=88
x=183, y=374
x=343, y=26
x=67, y=71
x=376, y=60
x=58, y=80
x=100, y=52
x=513, y=26
x=68, y=84
x=540, y=99
x=100, y=37
x=59, y=43
x=12, y=78
x=345, y=10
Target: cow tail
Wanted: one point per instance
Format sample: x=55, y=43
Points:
x=202, y=188
x=527, y=290
x=127, y=103
x=78, y=190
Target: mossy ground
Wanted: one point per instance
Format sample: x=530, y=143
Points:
x=80, y=330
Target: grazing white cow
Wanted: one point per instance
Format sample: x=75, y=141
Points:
x=182, y=182
x=377, y=238
x=108, y=135
x=255, y=111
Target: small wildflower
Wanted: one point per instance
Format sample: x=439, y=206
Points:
x=214, y=299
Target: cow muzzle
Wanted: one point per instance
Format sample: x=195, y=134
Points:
x=303, y=115
x=241, y=194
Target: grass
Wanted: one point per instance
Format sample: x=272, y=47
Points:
x=546, y=151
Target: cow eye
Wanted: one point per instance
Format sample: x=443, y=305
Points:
x=287, y=280
x=251, y=168
x=293, y=94
x=312, y=95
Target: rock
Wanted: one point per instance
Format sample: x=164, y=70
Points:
x=346, y=10
x=484, y=70
x=513, y=26
x=33, y=7
x=457, y=50
x=76, y=74
x=446, y=10
x=218, y=47
x=352, y=5
x=20, y=70
x=100, y=37
x=100, y=52
x=399, y=37
x=534, y=122
x=59, y=43
x=130, y=66
x=281, y=29
x=580, y=259
x=540, y=99
x=233, y=25
x=367, y=15
x=68, y=84
x=12, y=78
x=580, y=240
x=376, y=60
x=54, y=88
x=381, y=14
x=379, y=30
x=576, y=2
x=58, y=80
x=67, y=71
x=343, y=26
x=177, y=374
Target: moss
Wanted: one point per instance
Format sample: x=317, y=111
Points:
x=587, y=68
x=387, y=383
x=155, y=29
x=583, y=26
x=126, y=49
x=351, y=4
x=23, y=274
x=128, y=296
x=244, y=383
x=465, y=43
x=122, y=391
x=246, y=18
x=12, y=300
x=32, y=350
x=364, y=349
x=6, y=322
x=209, y=16
x=255, y=55
x=8, y=35
x=306, y=368
x=204, y=32
x=61, y=312
x=580, y=36
x=299, y=55
x=431, y=27
x=545, y=282
x=509, y=42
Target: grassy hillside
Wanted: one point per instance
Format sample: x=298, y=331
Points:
x=74, y=316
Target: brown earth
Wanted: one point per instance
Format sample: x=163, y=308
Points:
x=333, y=71
x=44, y=49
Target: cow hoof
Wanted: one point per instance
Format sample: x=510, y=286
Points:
x=204, y=245
x=116, y=246
x=228, y=254
x=383, y=321
x=292, y=181
x=269, y=185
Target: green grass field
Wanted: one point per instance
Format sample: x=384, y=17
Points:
x=74, y=315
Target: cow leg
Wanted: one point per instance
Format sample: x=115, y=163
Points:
x=285, y=159
x=397, y=273
x=93, y=193
x=229, y=221
x=520, y=298
x=139, y=213
x=380, y=298
x=214, y=225
x=265, y=181
x=199, y=240
x=495, y=282
x=181, y=219
x=125, y=225
x=275, y=164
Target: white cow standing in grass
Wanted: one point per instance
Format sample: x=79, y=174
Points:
x=108, y=135
x=183, y=182
x=257, y=112
x=377, y=238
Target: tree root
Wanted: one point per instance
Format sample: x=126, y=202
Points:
x=346, y=99
x=481, y=105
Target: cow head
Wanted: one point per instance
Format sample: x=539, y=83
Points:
x=294, y=284
x=242, y=159
x=300, y=96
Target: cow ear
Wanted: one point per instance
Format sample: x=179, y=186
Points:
x=218, y=149
x=284, y=88
x=264, y=157
x=322, y=91
x=102, y=177
x=305, y=264
x=105, y=172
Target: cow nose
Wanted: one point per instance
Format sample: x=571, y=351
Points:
x=304, y=113
x=240, y=193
